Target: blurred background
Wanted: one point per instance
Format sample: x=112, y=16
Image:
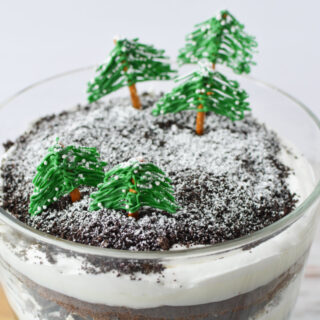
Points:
x=42, y=38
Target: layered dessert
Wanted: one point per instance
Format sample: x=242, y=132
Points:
x=236, y=179
x=184, y=207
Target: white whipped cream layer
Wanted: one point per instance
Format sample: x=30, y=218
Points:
x=183, y=282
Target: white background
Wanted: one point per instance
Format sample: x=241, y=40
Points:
x=39, y=38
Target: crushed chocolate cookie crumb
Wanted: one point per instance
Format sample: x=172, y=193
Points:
x=228, y=183
x=7, y=145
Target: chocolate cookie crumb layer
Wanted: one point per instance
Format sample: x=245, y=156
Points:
x=228, y=182
x=55, y=305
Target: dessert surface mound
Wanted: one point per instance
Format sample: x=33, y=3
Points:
x=228, y=183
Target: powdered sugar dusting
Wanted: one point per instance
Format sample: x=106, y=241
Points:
x=228, y=182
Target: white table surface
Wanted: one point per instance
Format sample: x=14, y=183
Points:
x=41, y=38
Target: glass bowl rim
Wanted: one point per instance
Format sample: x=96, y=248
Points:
x=213, y=249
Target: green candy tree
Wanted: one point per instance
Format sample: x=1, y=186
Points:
x=134, y=184
x=128, y=63
x=205, y=91
x=220, y=40
x=62, y=171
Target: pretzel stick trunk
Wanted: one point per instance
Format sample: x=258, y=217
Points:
x=75, y=195
x=200, y=121
x=134, y=97
x=135, y=100
x=133, y=214
x=201, y=115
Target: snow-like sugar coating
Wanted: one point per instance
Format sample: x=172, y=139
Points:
x=217, y=177
x=228, y=182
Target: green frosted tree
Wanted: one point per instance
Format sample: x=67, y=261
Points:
x=220, y=40
x=128, y=63
x=134, y=184
x=62, y=171
x=204, y=91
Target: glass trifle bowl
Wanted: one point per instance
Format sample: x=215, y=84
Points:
x=253, y=277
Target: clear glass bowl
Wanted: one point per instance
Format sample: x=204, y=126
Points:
x=254, y=277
